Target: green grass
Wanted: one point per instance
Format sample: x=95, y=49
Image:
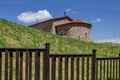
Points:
x=16, y=35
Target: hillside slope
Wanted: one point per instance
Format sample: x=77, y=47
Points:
x=15, y=35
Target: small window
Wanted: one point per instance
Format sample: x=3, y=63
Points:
x=62, y=33
x=86, y=34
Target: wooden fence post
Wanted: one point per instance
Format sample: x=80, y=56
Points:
x=0, y=65
x=94, y=65
x=119, y=65
x=47, y=45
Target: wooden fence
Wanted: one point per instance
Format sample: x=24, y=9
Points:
x=71, y=66
x=108, y=68
x=38, y=64
x=17, y=63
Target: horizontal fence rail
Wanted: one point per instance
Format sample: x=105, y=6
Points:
x=39, y=64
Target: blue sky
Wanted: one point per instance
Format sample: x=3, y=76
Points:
x=104, y=15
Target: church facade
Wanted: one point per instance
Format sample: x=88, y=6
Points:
x=65, y=26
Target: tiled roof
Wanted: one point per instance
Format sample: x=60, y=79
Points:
x=54, y=19
x=79, y=21
x=64, y=17
x=71, y=21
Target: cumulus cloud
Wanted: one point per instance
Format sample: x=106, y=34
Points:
x=115, y=41
x=29, y=17
x=97, y=20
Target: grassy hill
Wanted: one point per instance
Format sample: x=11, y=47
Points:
x=15, y=35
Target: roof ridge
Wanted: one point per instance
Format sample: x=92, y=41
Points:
x=54, y=19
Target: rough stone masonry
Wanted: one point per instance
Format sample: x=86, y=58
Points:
x=65, y=26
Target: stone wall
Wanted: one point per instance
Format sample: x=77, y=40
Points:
x=49, y=26
x=45, y=26
x=76, y=31
x=55, y=23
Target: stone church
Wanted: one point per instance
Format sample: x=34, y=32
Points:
x=65, y=26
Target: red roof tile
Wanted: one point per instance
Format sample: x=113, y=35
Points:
x=79, y=21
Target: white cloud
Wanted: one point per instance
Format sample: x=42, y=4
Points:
x=97, y=20
x=29, y=17
x=68, y=10
x=115, y=40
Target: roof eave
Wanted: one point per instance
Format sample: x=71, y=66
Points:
x=75, y=23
